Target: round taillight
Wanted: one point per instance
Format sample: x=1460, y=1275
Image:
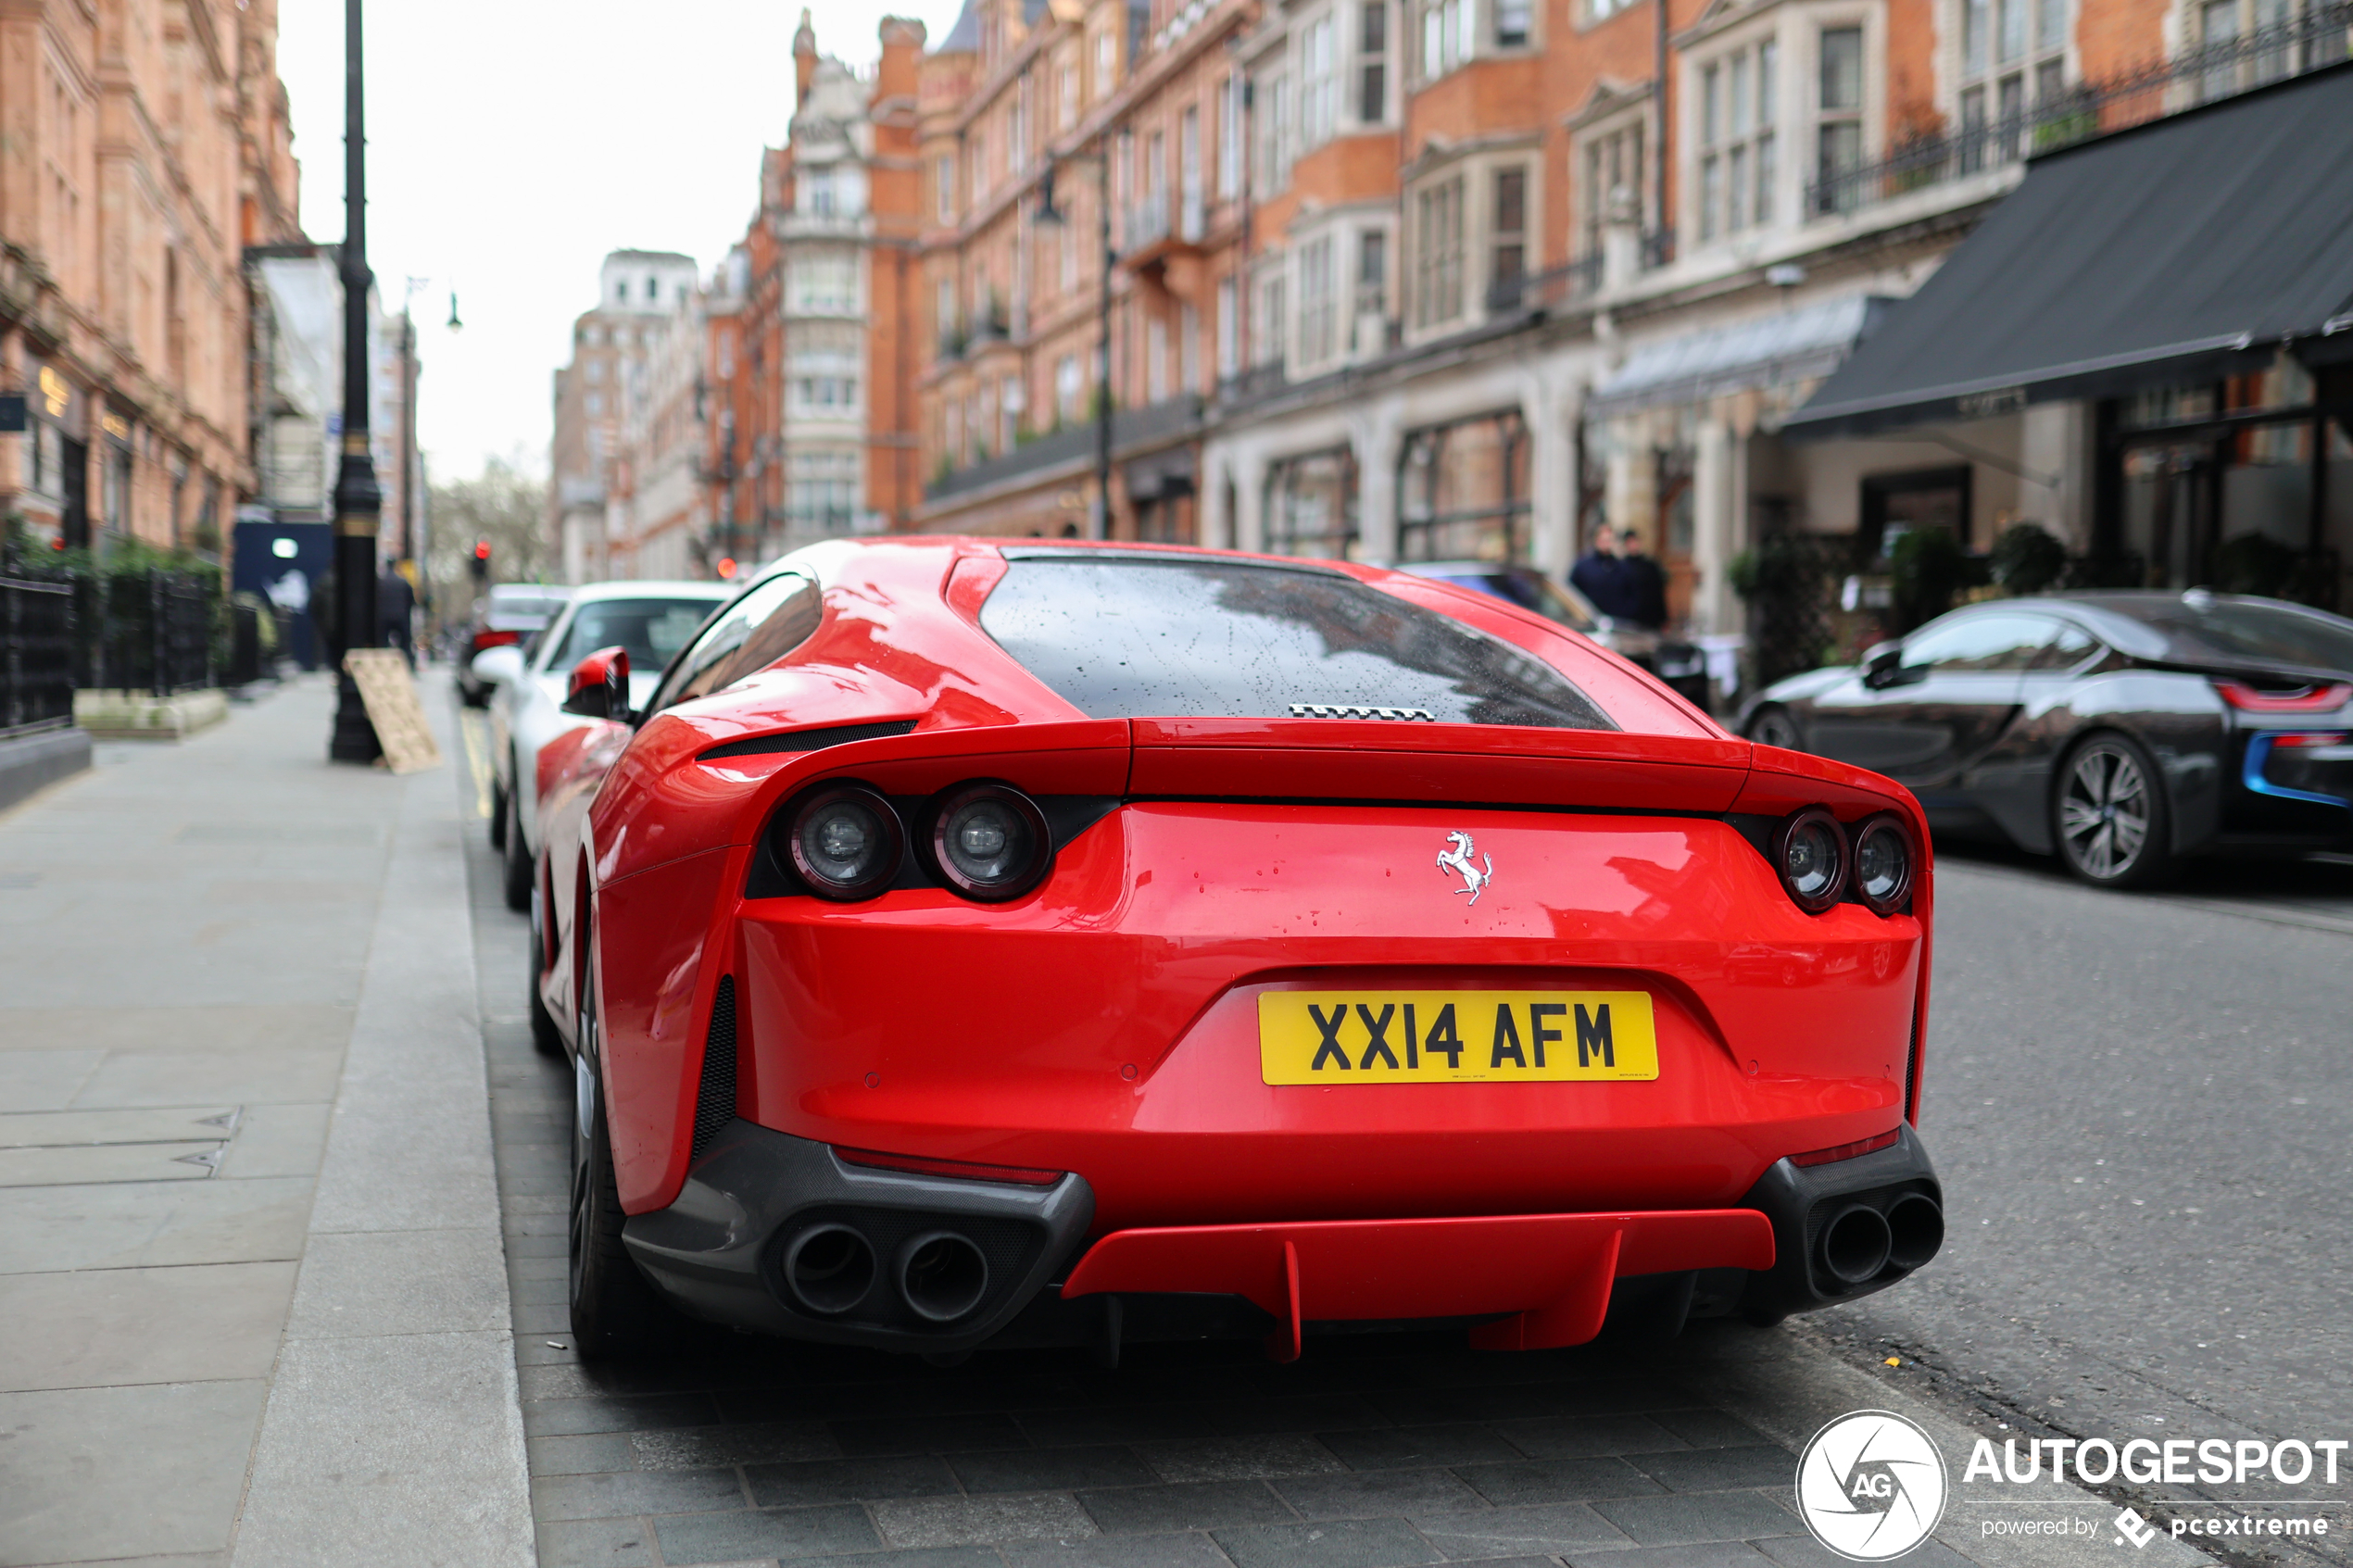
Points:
x=845, y=842
x=990, y=843
x=1884, y=865
x=1810, y=854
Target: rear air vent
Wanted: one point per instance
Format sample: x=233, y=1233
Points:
x=715, y=1101
x=807, y=740
x=1356, y=711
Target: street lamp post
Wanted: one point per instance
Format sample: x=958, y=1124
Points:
x=358, y=500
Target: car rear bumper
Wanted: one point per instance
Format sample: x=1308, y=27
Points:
x=741, y=1245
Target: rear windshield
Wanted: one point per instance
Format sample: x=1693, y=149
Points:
x=2271, y=633
x=1198, y=639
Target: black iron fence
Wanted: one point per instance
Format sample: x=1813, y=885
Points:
x=2320, y=36
x=148, y=631
x=36, y=655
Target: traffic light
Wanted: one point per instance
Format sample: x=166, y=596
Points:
x=726, y=567
x=480, y=564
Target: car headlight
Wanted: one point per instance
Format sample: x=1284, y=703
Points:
x=1884, y=865
x=1810, y=854
x=991, y=842
x=845, y=842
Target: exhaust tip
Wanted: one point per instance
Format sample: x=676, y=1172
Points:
x=1855, y=1245
x=942, y=1275
x=1916, y=1229
x=829, y=1268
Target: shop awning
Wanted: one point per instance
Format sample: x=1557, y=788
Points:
x=1789, y=345
x=2175, y=252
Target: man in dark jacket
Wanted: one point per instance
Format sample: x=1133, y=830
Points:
x=1644, y=580
x=1599, y=574
x=396, y=609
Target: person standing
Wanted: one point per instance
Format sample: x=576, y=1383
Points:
x=1644, y=581
x=1599, y=574
x=396, y=609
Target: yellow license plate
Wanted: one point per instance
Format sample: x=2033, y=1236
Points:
x=1455, y=1037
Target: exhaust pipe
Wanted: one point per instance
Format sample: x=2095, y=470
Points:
x=1916, y=1228
x=942, y=1275
x=829, y=1268
x=1855, y=1245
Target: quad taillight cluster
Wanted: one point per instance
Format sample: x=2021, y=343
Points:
x=1822, y=862
x=986, y=841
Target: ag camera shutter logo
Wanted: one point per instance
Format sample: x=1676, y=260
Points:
x=1870, y=1486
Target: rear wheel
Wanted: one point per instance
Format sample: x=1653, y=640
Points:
x=497, y=814
x=615, y=1313
x=2109, y=815
x=517, y=884
x=1774, y=726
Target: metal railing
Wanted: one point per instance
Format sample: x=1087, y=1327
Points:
x=144, y=631
x=2320, y=36
x=1552, y=289
x=36, y=655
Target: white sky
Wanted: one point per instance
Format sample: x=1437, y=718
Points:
x=512, y=143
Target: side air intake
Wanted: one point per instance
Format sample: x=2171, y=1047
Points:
x=715, y=1099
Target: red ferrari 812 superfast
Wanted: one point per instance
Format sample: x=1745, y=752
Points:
x=976, y=942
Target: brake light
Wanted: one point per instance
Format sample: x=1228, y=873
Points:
x=1837, y=1152
x=916, y=1165
x=487, y=639
x=2304, y=699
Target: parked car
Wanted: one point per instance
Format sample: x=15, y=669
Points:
x=652, y=621
x=1679, y=663
x=2123, y=732
x=978, y=942
x=509, y=615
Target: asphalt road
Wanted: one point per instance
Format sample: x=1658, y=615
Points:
x=2141, y=1107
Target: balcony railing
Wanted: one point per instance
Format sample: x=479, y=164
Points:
x=1555, y=288
x=2321, y=36
x=1147, y=223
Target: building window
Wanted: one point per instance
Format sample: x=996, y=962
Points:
x=1372, y=62
x=1512, y=17
x=1601, y=10
x=817, y=192
x=1273, y=319
x=825, y=285
x=1438, y=246
x=1372, y=273
x=1318, y=314
x=1839, y=148
x=1318, y=83
x=1464, y=491
x=1229, y=330
x=976, y=166
x=820, y=492
x=1312, y=505
x=1230, y=137
x=1011, y=401
x=1105, y=59
x=1274, y=133
x=2014, y=51
x=1188, y=191
x=1446, y=34
x=1740, y=156
x=1188, y=348
x=1613, y=163
x=1066, y=94
x=1508, y=246
x=1067, y=387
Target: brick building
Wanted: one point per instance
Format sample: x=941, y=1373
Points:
x=1054, y=133
x=621, y=430
x=143, y=146
x=811, y=430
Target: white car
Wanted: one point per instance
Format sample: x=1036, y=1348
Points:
x=653, y=620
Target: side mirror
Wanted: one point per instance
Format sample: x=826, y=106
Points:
x=1883, y=665
x=499, y=666
x=600, y=687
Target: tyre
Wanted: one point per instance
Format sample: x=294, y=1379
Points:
x=2110, y=816
x=544, y=1037
x=615, y=1313
x=497, y=814
x=1775, y=726
x=517, y=865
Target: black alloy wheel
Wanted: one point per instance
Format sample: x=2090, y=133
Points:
x=615, y=1313
x=2109, y=815
x=546, y=1038
x=1774, y=726
x=516, y=884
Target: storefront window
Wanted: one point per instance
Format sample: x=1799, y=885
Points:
x=1312, y=505
x=1464, y=491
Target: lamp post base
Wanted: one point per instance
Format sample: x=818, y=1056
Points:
x=355, y=739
